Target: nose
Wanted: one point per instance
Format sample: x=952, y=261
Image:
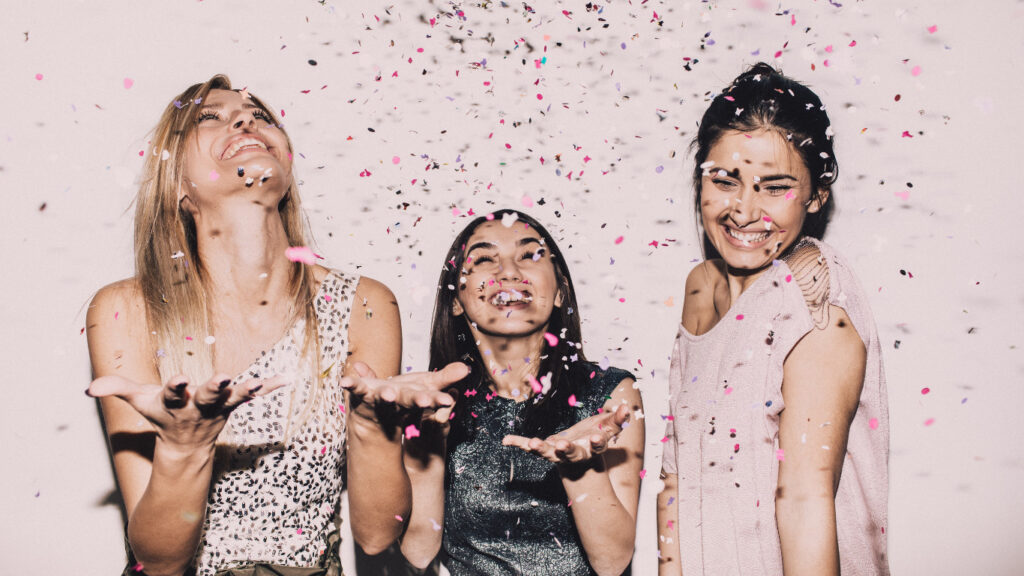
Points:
x=746, y=207
x=244, y=118
x=509, y=271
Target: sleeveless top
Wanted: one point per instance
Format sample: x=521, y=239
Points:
x=276, y=491
x=722, y=437
x=506, y=511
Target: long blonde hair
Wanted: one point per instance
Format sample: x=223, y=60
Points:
x=168, y=270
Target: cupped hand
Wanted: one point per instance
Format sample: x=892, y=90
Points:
x=184, y=415
x=579, y=443
x=414, y=391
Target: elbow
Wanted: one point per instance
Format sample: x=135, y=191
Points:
x=613, y=565
x=419, y=559
x=374, y=545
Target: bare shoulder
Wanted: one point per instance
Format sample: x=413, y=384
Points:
x=375, y=327
x=701, y=285
x=117, y=309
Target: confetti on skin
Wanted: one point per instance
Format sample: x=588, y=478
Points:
x=411, y=431
x=435, y=525
x=210, y=340
x=572, y=400
x=399, y=518
x=303, y=254
x=214, y=175
x=138, y=567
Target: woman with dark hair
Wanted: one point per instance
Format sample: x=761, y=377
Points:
x=537, y=470
x=776, y=452
x=234, y=464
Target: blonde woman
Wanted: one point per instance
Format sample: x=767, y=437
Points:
x=235, y=461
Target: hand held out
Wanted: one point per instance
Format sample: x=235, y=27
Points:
x=579, y=443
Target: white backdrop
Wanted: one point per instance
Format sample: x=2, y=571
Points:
x=406, y=116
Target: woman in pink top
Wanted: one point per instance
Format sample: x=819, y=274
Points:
x=776, y=453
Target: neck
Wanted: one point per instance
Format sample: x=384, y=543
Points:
x=511, y=361
x=243, y=254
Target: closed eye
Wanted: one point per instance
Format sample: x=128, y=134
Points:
x=262, y=114
x=207, y=116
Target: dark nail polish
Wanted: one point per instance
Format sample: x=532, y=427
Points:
x=180, y=387
x=255, y=388
x=223, y=385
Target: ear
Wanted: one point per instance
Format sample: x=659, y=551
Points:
x=185, y=201
x=558, y=298
x=457, y=309
x=820, y=200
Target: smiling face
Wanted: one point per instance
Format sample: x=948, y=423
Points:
x=508, y=285
x=755, y=195
x=236, y=146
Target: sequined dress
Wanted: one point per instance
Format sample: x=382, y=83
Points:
x=725, y=401
x=506, y=510
x=276, y=492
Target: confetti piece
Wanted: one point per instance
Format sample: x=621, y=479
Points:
x=435, y=525
x=411, y=431
x=929, y=422
x=39, y=76
x=780, y=455
x=527, y=201
x=915, y=71
x=739, y=316
x=643, y=474
x=873, y=423
x=395, y=160
x=551, y=338
x=213, y=175
x=933, y=29
x=302, y=254
x=399, y=518
x=507, y=220
x=128, y=83
x=572, y=400
x=925, y=391
x=210, y=340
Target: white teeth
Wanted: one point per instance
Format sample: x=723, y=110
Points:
x=747, y=237
x=237, y=145
x=504, y=298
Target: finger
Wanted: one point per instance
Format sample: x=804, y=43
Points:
x=566, y=450
x=116, y=386
x=175, y=392
x=265, y=386
x=364, y=370
x=521, y=442
x=214, y=393
x=621, y=416
x=446, y=376
x=598, y=443
x=442, y=415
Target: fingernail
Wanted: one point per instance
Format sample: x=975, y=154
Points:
x=87, y=393
x=180, y=387
x=223, y=384
x=255, y=388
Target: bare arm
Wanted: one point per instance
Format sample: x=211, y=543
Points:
x=380, y=493
x=668, y=533
x=425, y=464
x=601, y=477
x=161, y=437
x=821, y=386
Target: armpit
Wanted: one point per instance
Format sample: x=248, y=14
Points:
x=810, y=272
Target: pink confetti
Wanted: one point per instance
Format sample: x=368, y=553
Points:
x=907, y=134
x=302, y=254
x=728, y=390
x=766, y=219
x=929, y=422
x=739, y=316
x=399, y=518
x=828, y=48
x=619, y=239
x=40, y=77
x=535, y=385
x=790, y=195
x=411, y=431
x=643, y=474
x=853, y=43
x=915, y=71
x=128, y=83
x=540, y=96
x=395, y=160
x=789, y=277
x=572, y=400
x=527, y=201
x=873, y=423
x=551, y=338
x=664, y=439
x=780, y=455
x=933, y=29
x=213, y=174
x=925, y=390
x=323, y=450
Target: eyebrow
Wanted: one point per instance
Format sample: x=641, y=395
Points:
x=218, y=106
x=735, y=173
x=522, y=242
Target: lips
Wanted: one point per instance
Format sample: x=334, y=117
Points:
x=242, y=144
x=745, y=238
x=510, y=297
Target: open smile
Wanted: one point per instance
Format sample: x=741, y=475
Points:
x=244, y=144
x=745, y=239
x=508, y=298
